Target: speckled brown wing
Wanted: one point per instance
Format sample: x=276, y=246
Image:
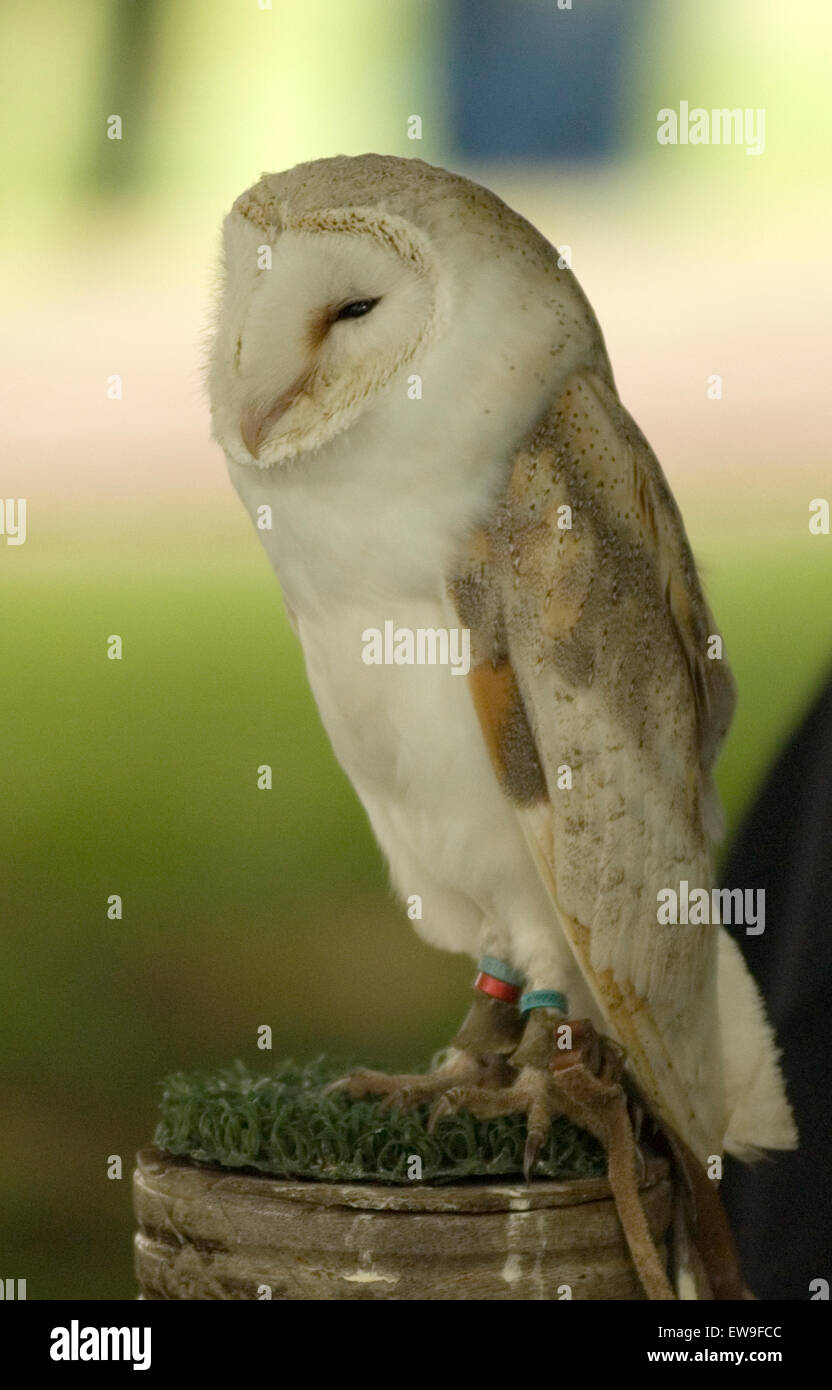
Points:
x=590, y=663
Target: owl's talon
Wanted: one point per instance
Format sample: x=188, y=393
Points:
x=462, y=1073
x=365, y=1082
x=340, y=1084
x=535, y=1139
x=446, y=1105
x=402, y=1099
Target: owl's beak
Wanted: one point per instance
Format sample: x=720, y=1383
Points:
x=257, y=420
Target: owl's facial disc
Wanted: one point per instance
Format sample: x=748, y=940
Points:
x=258, y=420
x=308, y=344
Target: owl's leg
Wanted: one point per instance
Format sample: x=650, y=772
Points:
x=553, y=1051
x=477, y=1057
x=565, y=1068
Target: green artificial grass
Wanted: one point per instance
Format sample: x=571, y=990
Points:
x=281, y=1123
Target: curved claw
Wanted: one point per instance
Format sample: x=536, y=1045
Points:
x=395, y=1100
x=340, y=1085
x=362, y=1083
x=531, y=1153
x=446, y=1105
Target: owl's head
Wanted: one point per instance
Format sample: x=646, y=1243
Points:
x=341, y=276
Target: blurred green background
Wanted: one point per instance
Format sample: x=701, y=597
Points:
x=138, y=777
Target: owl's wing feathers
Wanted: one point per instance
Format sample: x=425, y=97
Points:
x=603, y=713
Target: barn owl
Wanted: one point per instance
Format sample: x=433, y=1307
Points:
x=409, y=383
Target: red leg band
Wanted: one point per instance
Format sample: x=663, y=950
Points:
x=498, y=989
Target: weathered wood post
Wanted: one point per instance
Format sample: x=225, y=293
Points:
x=211, y=1233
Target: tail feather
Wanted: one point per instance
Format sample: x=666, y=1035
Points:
x=757, y=1113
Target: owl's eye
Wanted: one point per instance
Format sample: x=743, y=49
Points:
x=355, y=309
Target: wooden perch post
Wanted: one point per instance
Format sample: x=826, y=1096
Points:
x=211, y=1233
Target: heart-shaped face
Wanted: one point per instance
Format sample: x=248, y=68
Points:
x=345, y=277
x=316, y=320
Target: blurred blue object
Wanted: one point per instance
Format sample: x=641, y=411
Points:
x=529, y=80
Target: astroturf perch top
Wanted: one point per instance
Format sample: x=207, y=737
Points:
x=281, y=1122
